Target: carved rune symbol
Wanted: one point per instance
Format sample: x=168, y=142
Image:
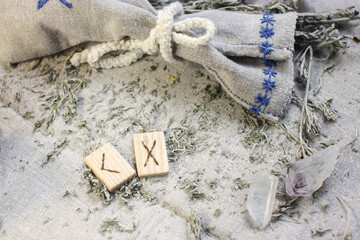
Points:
x=150, y=153
x=103, y=163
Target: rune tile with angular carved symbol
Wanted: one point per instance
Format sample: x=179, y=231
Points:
x=150, y=154
x=109, y=166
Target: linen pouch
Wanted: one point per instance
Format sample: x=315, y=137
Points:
x=249, y=54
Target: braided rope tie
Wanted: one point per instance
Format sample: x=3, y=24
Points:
x=159, y=40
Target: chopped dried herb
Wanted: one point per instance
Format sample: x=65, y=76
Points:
x=320, y=231
x=97, y=187
x=173, y=79
x=197, y=195
x=17, y=97
x=58, y=147
x=217, y=212
x=110, y=225
x=70, y=193
x=28, y=115
x=180, y=142
x=34, y=63
x=239, y=184
x=65, y=99
x=152, y=68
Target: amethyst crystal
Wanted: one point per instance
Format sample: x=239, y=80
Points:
x=307, y=175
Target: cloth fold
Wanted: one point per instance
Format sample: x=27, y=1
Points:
x=238, y=55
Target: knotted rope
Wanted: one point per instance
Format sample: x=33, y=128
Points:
x=159, y=40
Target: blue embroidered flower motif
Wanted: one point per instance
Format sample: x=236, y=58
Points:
x=269, y=62
x=41, y=3
x=268, y=84
x=262, y=99
x=268, y=19
x=266, y=47
x=271, y=72
x=255, y=109
x=266, y=32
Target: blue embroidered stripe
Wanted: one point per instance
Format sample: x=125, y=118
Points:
x=41, y=3
x=262, y=100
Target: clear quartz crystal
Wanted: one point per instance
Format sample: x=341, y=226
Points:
x=261, y=197
x=307, y=175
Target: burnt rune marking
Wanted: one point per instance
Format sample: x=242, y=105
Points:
x=150, y=153
x=103, y=163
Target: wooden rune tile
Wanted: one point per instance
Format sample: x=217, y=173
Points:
x=150, y=154
x=109, y=166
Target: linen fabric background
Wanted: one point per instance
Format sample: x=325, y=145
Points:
x=32, y=201
x=27, y=32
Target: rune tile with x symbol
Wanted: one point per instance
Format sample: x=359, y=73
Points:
x=150, y=154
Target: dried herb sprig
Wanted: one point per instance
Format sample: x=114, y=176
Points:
x=278, y=6
x=282, y=6
x=229, y=5
x=313, y=20
x=323, y=36
x=323, y=107
x=329, y=113
x=307, y=118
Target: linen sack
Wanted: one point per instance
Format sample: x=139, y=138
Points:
x=249, y=54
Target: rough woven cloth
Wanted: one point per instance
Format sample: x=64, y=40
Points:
x=232, y=55
x=36, y=200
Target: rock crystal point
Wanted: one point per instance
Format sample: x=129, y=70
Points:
x=307, y=175
x=261, y=198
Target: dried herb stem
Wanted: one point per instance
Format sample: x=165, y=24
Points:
x=304, y=109
x=347, y=217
